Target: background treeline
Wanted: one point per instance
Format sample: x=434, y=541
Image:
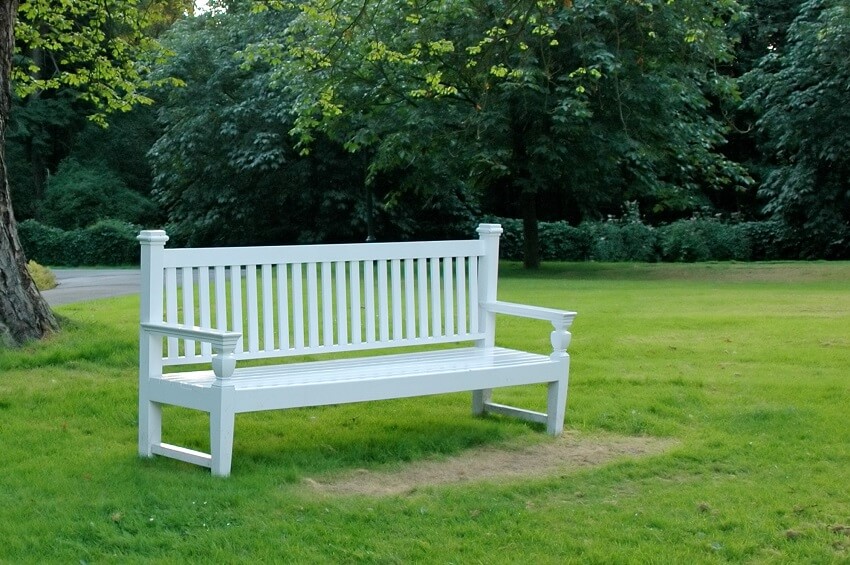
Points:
x=675, y=142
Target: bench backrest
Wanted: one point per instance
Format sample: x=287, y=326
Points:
x=297, y=300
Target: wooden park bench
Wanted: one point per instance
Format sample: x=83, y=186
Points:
x=220, y=306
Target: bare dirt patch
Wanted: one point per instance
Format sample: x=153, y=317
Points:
x=568, y=453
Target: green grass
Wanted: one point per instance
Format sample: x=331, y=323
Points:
x=746, y=366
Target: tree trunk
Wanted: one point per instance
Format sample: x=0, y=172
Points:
x=524, y=184
x=530, y=230
x=24, y=315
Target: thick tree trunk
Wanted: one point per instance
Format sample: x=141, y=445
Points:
x=24, y=315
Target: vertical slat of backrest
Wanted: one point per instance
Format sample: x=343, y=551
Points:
x=409, y=300
x=204, y=305
x=369, y=299
x=236, y=324
x=341, y=303
x=472, y=292
x=171, y=309
x=448, y=297
x=460, y=290
x=253, y=308
x=268, y=308
x=327, y=305
x=313, y=305
x=188, y=287
x=354, y=293
x=396, y=306
x=298, y=305
x=436, y=307
x=422, y=290
x=220, y=299
x=284, y=342
x=383, y=301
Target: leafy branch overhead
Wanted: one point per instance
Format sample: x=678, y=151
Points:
x=101, y=50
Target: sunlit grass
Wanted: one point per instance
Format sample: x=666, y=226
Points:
x=745, y=365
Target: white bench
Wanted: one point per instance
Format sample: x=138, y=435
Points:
x=217, y=306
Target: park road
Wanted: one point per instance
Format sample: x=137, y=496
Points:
x=79, y=285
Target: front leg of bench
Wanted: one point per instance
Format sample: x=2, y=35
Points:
x=556, y=399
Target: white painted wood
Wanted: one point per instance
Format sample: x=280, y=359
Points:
x=356, y=320
x=422, y=293
x=396, y=305
x=171, y=309
x=188, y=287
x=436, y=304
x=220, y=298
x=204, y=306
x=473, y=295
x=327, y=306
x=297, y=300
x=448, y=297
x=268, y=308
x=236, y=322
x=182, y=454
x=383, y=302
x=409, y=300
x=253, y=309
x=283, y=339
x=369, y=295
x=226, y=256
x=298, y=306
x=460, y=289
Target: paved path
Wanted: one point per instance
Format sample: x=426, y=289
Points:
x=78, y=285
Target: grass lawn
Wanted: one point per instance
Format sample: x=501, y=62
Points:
x=744, y=367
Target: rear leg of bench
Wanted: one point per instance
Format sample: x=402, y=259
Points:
x=480, y=398
x=222, y=423
x=150, y=426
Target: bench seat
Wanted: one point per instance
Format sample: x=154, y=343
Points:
x=337, y=381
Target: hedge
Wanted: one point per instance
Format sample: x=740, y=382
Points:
x=689, y=240
x=106, y=243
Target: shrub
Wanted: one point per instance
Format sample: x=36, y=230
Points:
x=683, y=242
x=42, y=276
x=79, y=195
x=109, y=242
x=45, y=244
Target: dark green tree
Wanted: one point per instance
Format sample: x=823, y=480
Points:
x=800, y=94
x=607, y=101
x=108, y=71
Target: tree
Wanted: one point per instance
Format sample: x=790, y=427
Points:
x=99, y=48
x=605, y=100
x=800, y=96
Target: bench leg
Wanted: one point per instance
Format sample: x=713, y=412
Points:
x=556, y=407
x=150, y=426
x=222, y=424
x=479, y=400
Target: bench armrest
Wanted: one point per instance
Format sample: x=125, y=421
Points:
x=562, y=318
x=223, y=343
x=220, y=340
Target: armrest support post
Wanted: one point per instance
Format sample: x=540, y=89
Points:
x=560, y=339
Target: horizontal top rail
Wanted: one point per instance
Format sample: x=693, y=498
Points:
x=228, y=256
